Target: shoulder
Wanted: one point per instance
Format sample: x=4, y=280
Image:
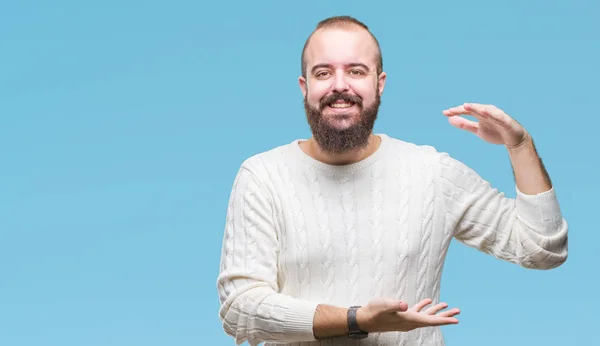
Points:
x=265, y=163
x=427, y=155
x=422, y=152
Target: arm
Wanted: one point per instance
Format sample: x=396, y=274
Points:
x=528, y=230
x=251, y=309
x=331, y=321
x=530, y=174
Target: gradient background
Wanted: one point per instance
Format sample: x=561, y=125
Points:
x=123, y=124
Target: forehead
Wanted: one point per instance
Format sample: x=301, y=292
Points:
x=340, y=46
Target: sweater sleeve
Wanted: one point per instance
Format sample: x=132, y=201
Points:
x=251, y=308
x=528, y=230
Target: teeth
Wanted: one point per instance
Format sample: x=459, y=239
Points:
x=341, y=105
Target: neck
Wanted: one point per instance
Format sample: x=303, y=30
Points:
x=312, y=149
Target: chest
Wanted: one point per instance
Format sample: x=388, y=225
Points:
x=375, y=217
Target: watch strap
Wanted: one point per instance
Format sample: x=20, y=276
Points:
x=354, y=330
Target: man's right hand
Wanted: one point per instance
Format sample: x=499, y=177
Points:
x=387, y=315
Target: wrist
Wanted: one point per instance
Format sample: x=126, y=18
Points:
x=524, y=142
x=363, y=319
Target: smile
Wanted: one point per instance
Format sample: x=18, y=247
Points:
x=341, y=105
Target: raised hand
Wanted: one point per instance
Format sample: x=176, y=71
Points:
x=493, y=126
x=382, y=315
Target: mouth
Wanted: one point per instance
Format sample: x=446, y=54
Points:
x=341, y=105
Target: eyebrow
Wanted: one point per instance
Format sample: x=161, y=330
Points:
x=356, y=64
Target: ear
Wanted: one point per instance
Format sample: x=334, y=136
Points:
x=381, y=82
x=303, y=86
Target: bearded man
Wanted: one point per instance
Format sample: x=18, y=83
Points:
x=342, y=237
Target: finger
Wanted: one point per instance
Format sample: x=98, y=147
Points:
x=449, y=313
x=465, y=110
x=458, y=110
x=434, y=320
x=464, y=124
x=423, y=303
x=476, y=110
x=434, y=309
x=487, y=111
x=443, y=321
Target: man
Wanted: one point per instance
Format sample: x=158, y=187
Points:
x=341, y=238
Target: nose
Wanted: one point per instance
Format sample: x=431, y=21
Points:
x=339, y=83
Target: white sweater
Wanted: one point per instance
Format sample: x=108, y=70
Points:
x=301, y=233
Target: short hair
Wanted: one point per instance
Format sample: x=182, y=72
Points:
x=342, y=22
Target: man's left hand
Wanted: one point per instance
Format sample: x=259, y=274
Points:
x=493, y=126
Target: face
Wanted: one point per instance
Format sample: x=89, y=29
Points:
x=341, y=90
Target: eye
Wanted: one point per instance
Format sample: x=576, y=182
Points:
x=355, y=73
x=322, y=74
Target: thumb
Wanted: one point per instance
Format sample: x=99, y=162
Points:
x=396, y=306
x=464, y=124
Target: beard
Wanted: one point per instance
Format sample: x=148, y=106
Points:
x=333, y=140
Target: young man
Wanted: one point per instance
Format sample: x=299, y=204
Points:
x=343, y=236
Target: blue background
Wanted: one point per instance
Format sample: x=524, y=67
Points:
x=123, y=124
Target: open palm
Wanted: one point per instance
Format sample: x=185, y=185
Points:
x=384, y=315
x=417, y=317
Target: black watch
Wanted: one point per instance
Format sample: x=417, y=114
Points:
x=354, y=332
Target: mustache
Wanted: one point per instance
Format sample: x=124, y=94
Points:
x=327, y=100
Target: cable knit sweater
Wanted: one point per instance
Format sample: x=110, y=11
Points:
x=301, y=233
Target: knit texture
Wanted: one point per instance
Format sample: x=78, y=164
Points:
x=300, y=233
